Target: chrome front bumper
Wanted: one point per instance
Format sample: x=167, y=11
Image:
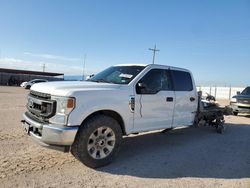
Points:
x=241, y=108
x=49, y=135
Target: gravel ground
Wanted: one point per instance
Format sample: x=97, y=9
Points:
x=191, y=157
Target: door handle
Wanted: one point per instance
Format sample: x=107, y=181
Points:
x=169, y=99
x=192, y=99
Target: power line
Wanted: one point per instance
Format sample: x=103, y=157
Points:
x=83, y=70
x=154, y=50
x=43, y=67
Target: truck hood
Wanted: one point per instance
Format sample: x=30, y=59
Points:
x=240, y=96
x=66, y=88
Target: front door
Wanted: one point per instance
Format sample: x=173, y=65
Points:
x=154, y=101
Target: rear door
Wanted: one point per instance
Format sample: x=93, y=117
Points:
x=154, y=104
x=186, y=98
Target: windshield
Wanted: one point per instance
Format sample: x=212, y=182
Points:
x=117, y=74
x=246, y=91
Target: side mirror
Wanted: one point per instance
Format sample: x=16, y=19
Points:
x=140, y=87
x=238, y=92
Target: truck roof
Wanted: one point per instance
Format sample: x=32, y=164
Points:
x=155, y=66
x=124, y=65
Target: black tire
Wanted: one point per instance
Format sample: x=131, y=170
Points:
x=79, y=148
x=220, y=129
x=28, y=87
x=235, y=113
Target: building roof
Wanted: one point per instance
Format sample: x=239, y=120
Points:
x=15, y=71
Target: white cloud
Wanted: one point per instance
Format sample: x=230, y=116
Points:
x=53, y=57
x=12, y=63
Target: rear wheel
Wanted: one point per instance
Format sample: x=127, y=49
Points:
x=220, y=129
x=220, y=125
x=98, y=141
x=235, y=113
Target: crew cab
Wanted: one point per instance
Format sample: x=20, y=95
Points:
x=90, y=117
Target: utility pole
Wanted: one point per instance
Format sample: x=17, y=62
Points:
x=154, y=50
x=43, y=67
x=84, y=63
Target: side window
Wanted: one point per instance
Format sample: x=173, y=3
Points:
x=182, y=81
x=154, y=81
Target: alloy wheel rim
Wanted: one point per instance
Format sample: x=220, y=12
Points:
x=101, y=142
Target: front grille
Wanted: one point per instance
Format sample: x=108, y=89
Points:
x=244, y=101
x=37, y=106
x=37, y=94
x=40, y=105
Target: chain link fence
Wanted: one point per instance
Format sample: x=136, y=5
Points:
x=220, y=92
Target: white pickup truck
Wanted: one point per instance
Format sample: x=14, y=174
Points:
x=90, y=117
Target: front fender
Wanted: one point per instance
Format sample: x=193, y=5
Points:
x=118, y=103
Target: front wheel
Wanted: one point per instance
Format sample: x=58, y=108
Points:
x=98, y=141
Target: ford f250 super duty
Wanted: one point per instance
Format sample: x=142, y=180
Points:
x=90, y=117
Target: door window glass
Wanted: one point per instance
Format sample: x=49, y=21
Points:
x=182, y=81
x=154, y=81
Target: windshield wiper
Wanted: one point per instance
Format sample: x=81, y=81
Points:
x=101, y=81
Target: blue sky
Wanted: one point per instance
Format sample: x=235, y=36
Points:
x=209, y=37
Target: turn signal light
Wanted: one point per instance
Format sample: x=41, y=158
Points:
x=71, y=103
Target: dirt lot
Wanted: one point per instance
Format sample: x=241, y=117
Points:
x=193, y=157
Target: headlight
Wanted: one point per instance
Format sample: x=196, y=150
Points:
x=64, y=105
x=233, y=100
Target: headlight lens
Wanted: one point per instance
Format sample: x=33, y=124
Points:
x=233, y=100
x=64, y=105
